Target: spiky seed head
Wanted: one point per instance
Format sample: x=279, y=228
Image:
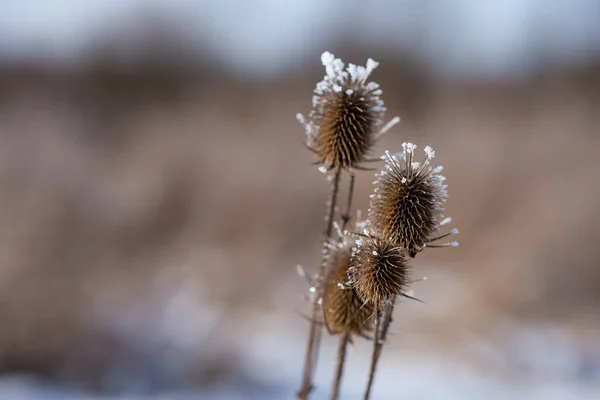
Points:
x=347, y=114
x=379, y=270
x=343, y=310
x=408, y=199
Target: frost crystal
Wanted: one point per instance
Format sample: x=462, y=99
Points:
x=446, y=221
x=371, y=65
x=408, y=147
x=327, y=59
x=430, y=153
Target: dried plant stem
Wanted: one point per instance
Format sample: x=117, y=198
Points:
x=345, y=338
x=382, y=324
x=374, y=355
x=316, y=328
x=341, y=359
x=346, y=214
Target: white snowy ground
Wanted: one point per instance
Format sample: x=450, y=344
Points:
x=517, y=361
x=554, y=371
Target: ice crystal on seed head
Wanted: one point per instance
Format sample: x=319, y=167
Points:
x=430, y=153
x=347, y=115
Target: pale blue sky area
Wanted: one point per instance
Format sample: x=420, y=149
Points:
x=266, y=36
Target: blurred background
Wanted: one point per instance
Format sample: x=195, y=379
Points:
x=156, y=196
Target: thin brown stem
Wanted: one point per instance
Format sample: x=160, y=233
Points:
x=316, y=328
x=377, y=316
x=346, y=214
x=341, y=359
x=345, y=338
x=382, y=325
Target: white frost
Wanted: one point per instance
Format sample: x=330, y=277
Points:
x=408, y=147
x=327, y=58
x=371, y=65
x=430, y=153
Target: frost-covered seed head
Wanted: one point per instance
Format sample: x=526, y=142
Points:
x=347, y=114
x=343, y=309
x=411, y=197
x=379, y=271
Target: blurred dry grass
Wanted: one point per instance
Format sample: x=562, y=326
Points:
x=148, y=212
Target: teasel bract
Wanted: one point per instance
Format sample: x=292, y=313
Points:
x=347, y=115
x=408, y=201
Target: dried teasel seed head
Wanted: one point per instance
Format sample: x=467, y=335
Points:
x=347, y=114
x=408, y=200
x=379, y=270
x=343, y=309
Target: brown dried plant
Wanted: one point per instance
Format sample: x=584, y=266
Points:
x=357, y=284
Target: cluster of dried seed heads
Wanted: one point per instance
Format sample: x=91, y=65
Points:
x=405, y=212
